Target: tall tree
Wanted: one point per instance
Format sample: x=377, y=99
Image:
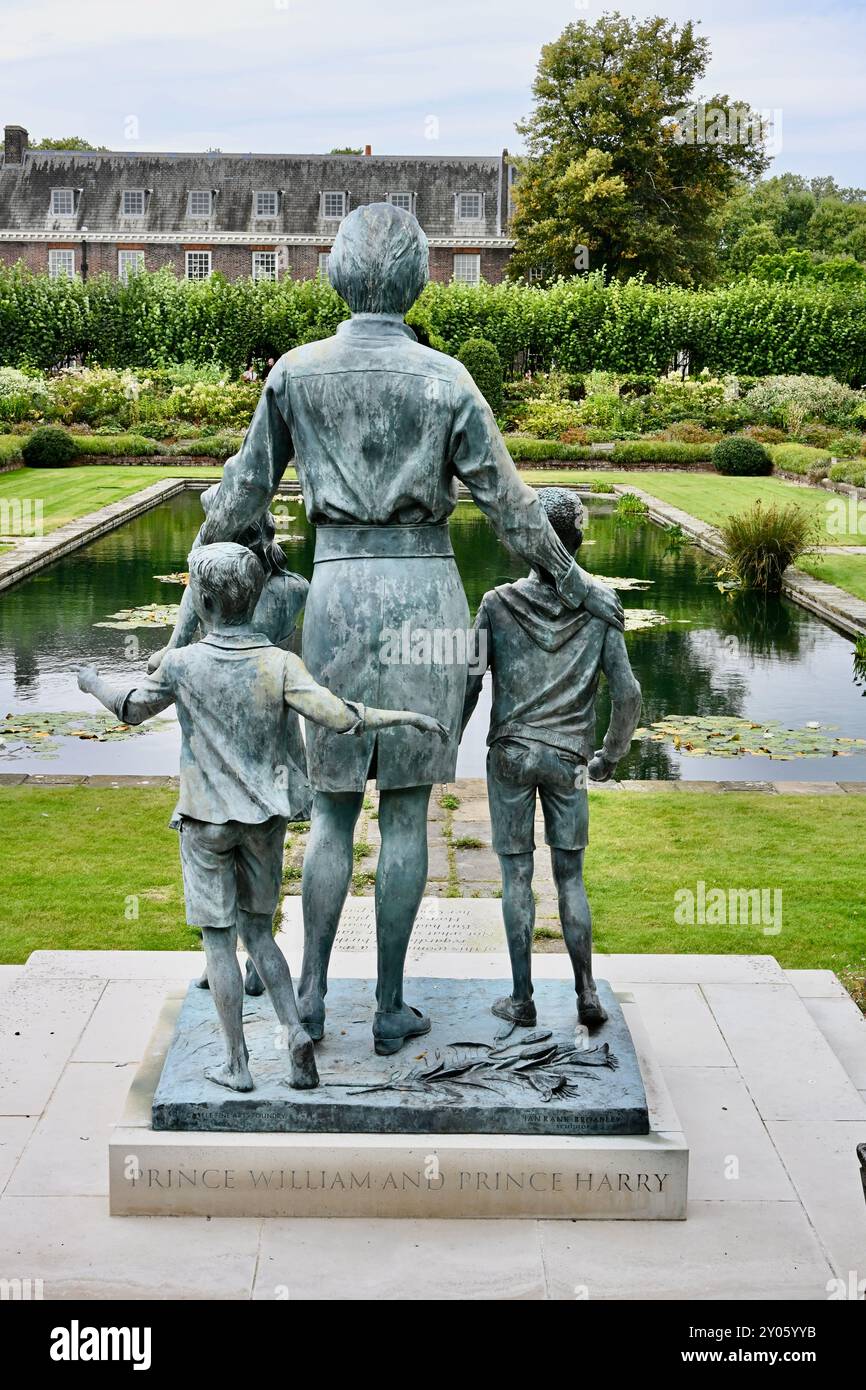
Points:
x=620, y=157
x=69, y=142
x=791, y=214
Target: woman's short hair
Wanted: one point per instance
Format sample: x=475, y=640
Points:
x=379, y=262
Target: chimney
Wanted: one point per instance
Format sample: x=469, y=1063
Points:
x=368, y=149
x=14, y=144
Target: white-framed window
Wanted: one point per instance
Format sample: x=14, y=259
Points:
x=469, y=207
x=129, y=263
x=333, y=206
x=198, y=265
x=132, y=203
x=199, y=202
x=401, y=200
x=324, y=264
x=264, y=265
x=267, y=203
x=467, y=267
x=62, y=202
x=61, y=261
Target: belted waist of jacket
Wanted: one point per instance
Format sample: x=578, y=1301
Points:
x=383, y=542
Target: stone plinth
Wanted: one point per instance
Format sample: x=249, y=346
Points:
x=469, y=1075
x=631, y=1177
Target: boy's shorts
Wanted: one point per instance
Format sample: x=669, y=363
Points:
x=230, y=867
x=516, y=770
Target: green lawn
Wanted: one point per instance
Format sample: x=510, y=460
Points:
x=67, y=493
x=79, y=862
x=709, y=496
x=848, y=571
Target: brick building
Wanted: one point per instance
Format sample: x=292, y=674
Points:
x=263, y=215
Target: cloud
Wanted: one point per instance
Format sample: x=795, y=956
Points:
x=301, y=75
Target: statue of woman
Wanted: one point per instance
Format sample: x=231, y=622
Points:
x=382, y=431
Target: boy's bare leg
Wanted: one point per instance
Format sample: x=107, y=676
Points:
x=228, y=995
x=518, y=911
x=576, y=919
x=256, y=932
x=325, y=886
x=252, y=983
x=401, y=878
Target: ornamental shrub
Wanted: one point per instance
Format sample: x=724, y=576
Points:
x=49, y=447
x=741, y=457
x=481, y=360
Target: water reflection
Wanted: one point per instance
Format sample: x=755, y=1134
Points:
x=719, y=654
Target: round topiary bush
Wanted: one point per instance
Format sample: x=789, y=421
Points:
x=481, y=360
x=740, y=457
x=49, y=447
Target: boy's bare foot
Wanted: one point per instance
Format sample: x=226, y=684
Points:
x=589, y=1009
x=202, y=982
x=303, y=1074
x=253, y=982
x=311, y=1012
x=522, y=1013
x=234, y=1075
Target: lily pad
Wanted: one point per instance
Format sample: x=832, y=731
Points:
x=146, y=615
x=620, y=583
x=180, y=577
x=639, y=619
x=37, y=734
x=731, y=737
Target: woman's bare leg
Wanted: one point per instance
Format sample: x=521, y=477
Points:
x=401, y=878
x=324, y=889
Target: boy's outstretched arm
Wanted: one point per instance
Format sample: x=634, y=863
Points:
x=131, y=706
x=319, y=704
x=625, y=706
x=478, y=667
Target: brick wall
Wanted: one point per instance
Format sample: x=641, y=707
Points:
x=235, y=262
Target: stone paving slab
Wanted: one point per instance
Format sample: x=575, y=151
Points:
x=744, y=1239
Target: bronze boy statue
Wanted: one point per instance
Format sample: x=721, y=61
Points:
x=546, y=658
x=235, y=692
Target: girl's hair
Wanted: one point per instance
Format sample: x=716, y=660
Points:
x=260, y=538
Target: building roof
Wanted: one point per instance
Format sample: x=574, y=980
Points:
x=99, y=178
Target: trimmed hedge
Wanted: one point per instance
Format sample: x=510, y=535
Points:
x=115, y=445
x=748, y=328
x=799, y=458
x=637, y=451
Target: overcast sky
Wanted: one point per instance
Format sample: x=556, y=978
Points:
x=307, y=75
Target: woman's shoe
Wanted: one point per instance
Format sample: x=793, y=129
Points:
x=391, y=1029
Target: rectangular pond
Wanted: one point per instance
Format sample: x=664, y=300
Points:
x=715, y=655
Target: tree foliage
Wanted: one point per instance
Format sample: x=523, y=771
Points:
x=787, y=214
x=609, y=165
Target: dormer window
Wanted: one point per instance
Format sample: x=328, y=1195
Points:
x=62, y=202
x=401, y=200
x=199, y=202
x=132, y=203
x=267, y=203
x=334, y=206
x=469, y=207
